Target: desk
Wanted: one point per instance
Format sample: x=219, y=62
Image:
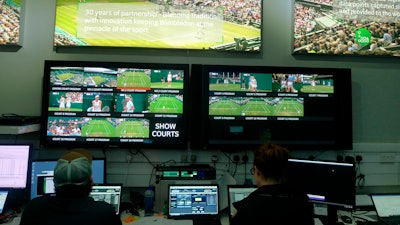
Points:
x=162, y=221
x=159, y=219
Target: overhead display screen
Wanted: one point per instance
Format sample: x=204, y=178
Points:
x=111, y=104
x=347, y=27
x=10, y=11
x=172, y=24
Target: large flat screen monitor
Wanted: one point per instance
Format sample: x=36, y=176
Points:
x=42, y=174
x=351, y=27
x=14, y=162
x=114, y=104
x=10, y=13
x=162, y=24
x=241, y=107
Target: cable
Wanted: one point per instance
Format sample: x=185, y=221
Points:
x=236, y=160
x=360, y=177
x=245, y=159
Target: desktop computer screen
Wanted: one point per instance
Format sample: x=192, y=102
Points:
x=237, y=193
x=186, y=201
x=110, y=193
x=3, y=198
x=14, y=166
x=43, y=172
x=327, y=183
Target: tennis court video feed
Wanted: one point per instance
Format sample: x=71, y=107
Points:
x=10, y=11
x=266, y=96
x=227, y=25
x=115, y=105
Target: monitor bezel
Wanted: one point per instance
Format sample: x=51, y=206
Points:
x=54, y=160
x=45, y=142
x=328, y=167
x=343, y=127
x=209, y=49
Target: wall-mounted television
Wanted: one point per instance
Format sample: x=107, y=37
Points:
x=107, y=104
x=162, y=24
x=351, y=27
x=10, y=13
x=241, y=107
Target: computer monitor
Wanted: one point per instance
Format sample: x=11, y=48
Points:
x=110, y=193
x=328, y=183
x=14, y=166
x=43, y=172
x=386, y=205
x=236, y=193
x=191, y=201
x=3, y=198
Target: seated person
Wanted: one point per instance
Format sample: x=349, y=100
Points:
x=71, y=203
x=274, y=202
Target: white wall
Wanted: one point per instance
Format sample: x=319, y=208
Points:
x=380, y=163
x=375, y=88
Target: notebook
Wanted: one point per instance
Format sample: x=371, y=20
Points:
x=3, y=198
x=198, y=203
x=110, y=193
x=237, y=193
x=387, y=207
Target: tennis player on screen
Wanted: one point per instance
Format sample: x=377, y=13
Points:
x=97, y=104
x=128, y=104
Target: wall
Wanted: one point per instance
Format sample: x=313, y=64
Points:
x=375, y=87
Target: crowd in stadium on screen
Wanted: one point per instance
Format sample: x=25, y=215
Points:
x=245, y=11
x=9, y=25
x=340, y=38
x=324, y=2
x=64, y=127
x=60, y=39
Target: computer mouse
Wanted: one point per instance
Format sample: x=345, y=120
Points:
x=346, y=219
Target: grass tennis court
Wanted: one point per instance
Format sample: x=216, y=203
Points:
x=185, y=37
x=18, y=2
x=174, y=85
x=98, y=128
x=225, y=87
x=75, y=107
x=132, y=128
x=66, y=77
x=133, y=79
x=166, y=104
x=257, y=108
x=317, y=89
x=289, y=107
x=232, y=87
x=98, y=79
x=225, y=107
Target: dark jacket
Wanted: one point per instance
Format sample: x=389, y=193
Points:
x=274, y=205
x=50, y=210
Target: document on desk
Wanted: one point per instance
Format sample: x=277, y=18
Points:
x=161, y=221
